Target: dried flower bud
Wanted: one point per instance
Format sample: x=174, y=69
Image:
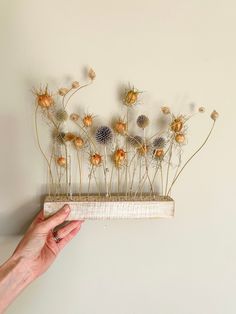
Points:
x=214, y=115
x=88, y=120
x=63, y=91
x=158, y=153
x=177, y=124
x=165, y=110
x=74, y=117
x=61, y=115
x=119, y=157
x=120, y=127
x=95, y=159
x=104, y=135
x=44, y=98
x=61, y=161
x=180, y=138
x=142, y=121
x=69, y=137
x=75, y=84
x=143, y=149
x=131, y=97
x=91, y=74
x=78, y=142
x=201, y=109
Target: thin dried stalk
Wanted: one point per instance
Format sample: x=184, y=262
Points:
x=169, y=161
x=80, y=172
x=191, y=157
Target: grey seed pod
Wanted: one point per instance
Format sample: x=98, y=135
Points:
x=104, y=135
x=159, y=142
x=61, y=115
x=142, y=121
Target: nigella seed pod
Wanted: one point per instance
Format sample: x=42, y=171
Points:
x=201, y=109
x=180, y=138
x=95, y=159
x=119, y=157
x=78, y=142
x=61, y=161
x=142, y=121
x=165, y=110
x=177, y=124
x=214, y=115
x=88, y=120
x=91, y=74
x=104, y=135
x=120, y=127
x=44, y=98
x=158, y=153
x=74, y=117
x=143, y=149
x=61, y=115
x=69, y=137
x=159, y=142
x=131, y=97
x=75, y=84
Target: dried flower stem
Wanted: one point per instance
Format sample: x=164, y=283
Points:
x=105, y=170
x=96, y=182
x=169, y=161
x=80, y=172
x=127, y=156
x=90, y=176
x=191, y=157
x=146, y=164
x=82, y=86
x=40, y=147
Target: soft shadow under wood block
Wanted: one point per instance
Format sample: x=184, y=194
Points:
x=112, y=207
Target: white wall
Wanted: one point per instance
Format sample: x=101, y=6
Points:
x=179, y=52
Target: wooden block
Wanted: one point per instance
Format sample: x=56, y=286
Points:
x=112, y=207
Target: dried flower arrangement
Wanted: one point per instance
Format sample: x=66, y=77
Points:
x=136, y=172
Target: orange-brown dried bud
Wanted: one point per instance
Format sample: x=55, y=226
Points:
x=69, y=137
x=180, y=138
x=95, y=159
x=44, y=98
x=143, y=149
x=177, y=124
x=119, y=157
x=63, y=91
x=158, y=153
x=75, y=84
x=120, y=127
x=61, y=161
x=78, y=142
x=88, y=120
x=131, y=98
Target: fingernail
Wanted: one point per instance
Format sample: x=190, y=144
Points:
x=66, y=208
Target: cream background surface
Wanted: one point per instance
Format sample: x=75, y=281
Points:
x=179, y=52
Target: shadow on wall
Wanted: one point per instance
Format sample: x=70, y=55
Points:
x=16, y=222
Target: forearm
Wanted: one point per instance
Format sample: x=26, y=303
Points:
x=15, y=275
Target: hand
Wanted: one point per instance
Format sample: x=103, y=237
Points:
x=38, y=248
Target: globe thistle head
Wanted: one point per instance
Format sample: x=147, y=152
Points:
x=135, y=140
x=104, y=135
x=61, y=115
x=142, y=121
x=159, y=142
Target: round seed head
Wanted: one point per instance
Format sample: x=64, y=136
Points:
x=180, y=138
x=63, y=91
x=104, y=135
x=142, y=121
x=61, y=115
x=214, y=115
x=95, y=159
x=165, y=110
x=159, y=142
x=74, y=117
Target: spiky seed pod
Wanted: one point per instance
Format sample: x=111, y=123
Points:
x=95, y=159
x=159, y=142
x=177, y=124
x=165, y=110
x=120, y=127
x=74, y=117
x=58, y=136
x=69, y=137
x=104, y=135
x=75, y=84
x=44, y=98
x=119, y=157
x=214, y=115
x=63, y=91
x=143, y=149
x=201, y=109
x=61, y=115
x=61, y=161
x=142, y=121
x=78, y=142
x=135, y=140
x=88, y=120
x=131, y=97
x=158, y=153
x=180, y=138
x=91, y=74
